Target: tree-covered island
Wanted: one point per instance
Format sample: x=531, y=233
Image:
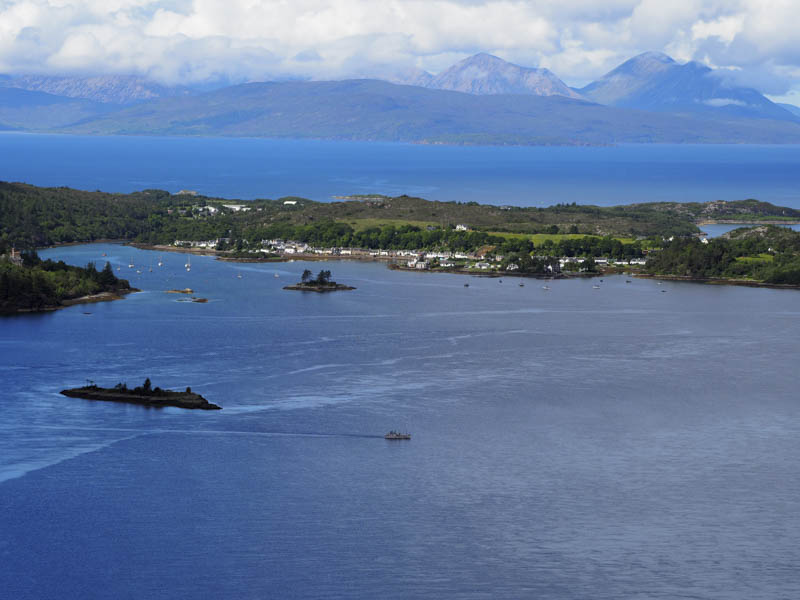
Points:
x=321, y=283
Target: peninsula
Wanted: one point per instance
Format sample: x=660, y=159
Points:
x=144, y=395
x=29, y=284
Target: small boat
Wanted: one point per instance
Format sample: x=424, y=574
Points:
x=545, y=287
x=138, y=272
x=104, y=254
x=130, y=264
x=276, y=275
x=118, y=268
x=188, y=264
x=521, y=285
x=664, y=291
x=466, y=285
x=501, y=281
x=627, y=281
x=160, y=262
x=595, y=287
x=239, y=276
x=396, y=435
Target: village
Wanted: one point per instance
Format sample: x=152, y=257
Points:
x=484, y=260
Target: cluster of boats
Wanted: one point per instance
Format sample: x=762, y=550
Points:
x=131, y=265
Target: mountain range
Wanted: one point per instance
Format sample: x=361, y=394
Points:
x=482, y=99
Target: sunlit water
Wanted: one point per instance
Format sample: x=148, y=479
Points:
x=526, y=176
x=633, y=441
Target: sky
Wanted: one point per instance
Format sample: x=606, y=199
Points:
x=194, y=41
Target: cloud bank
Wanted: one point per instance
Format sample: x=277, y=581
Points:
x=194, y=41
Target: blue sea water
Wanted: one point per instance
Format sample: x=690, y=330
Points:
x=526, y=176
x=713, y=231
x=571, y=443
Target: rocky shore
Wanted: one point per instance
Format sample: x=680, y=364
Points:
x=719, y=281
x=155, y=398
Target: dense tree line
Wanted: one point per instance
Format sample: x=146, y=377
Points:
x=38, y=284
x=584, y=246
x=32, y=217
x=769, y=254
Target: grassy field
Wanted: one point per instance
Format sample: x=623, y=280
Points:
x=763, y=257
x=540, y=238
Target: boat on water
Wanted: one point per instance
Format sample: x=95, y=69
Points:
x=160, y=262
x=239, y=276
x=596, y=287
x=276, y=275
x=545, y=287
x=396, y=435
x=466, y=285
x=521, y=285
x=188, y=264
x=130, y=264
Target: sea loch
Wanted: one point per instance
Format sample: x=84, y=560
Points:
x=568, y=443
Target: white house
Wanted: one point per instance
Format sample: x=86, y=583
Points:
x=236, y=207
x=461, y=227
x=289, y=202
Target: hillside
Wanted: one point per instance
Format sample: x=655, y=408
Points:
x=26, y=110
x=33, y=216
x=375, y=110
x=110, y=89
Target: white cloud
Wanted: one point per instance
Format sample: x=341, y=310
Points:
x=193, y=40
x=717, y=102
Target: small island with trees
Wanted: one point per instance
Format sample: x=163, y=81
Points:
x=144, y=395
x=321, y=283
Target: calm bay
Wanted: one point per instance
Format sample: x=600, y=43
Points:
x=636, y=440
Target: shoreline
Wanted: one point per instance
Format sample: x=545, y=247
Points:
x=394, y=266
x=747, y=223
x=90, y=299
x=719, y=281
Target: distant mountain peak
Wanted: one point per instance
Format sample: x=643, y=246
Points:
x=486, y=74
x=652, y=55
x=654, y=81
